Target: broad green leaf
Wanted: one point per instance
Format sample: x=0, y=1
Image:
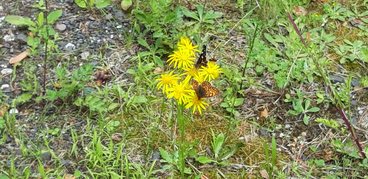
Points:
x=238, y=101
x=166, y=155
x=143, y=42
x=218, y=141
x=328, y=122
x=204, y=160
x=126, y=4
x=190, y=14
x=54, y=16
x=19, y=20
x=81, y=3
x=139, y=99
x=102, y=3
x=22, y=98
x=40, y=19
x=313, y=109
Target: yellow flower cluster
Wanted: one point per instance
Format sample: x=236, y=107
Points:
x=177, y=83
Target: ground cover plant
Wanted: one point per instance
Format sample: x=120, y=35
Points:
x=184, y=89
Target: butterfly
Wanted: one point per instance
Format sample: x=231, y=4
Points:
x=202, y=59
x=205, y=89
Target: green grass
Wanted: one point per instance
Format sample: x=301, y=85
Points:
x=126, y=128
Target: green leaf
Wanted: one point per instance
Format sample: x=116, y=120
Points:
x=81, y=3
x=102, y=3
x=22, y=98
x=238, y=101
x=19, y=20
x=204, y=160
x=125, y=4
x=40, y=19
x=166, y=155
x=2, y=176
x=218, y=141
x=190, y=14
x=54, y=16
x=143, y=42
x=313, y=109
x=139, y=99
x=328, y=122
x=112, y=106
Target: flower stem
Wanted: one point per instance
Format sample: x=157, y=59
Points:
x=181, y=125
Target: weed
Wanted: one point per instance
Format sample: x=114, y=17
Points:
x=301, y=106
x=40, y=31
x=90, y=4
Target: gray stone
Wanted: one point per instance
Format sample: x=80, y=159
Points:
x=6, y=71
x=60, y=27
x=84, y=55
x=109, y=17
x=5, y=88
x=69, y=47
x=9, y=38
x=13, y=111
x=21, y=37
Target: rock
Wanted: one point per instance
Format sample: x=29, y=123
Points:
x=13, y=111
x=69, y=47
x=84, y=55
x=5, y=88
x=6, y=71
x=60, y=27
x=9, y=38
x=109, y=16
x=119, y=26
x=46, y=156
x=22, y=37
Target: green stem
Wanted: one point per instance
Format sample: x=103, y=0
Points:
x=181, y=125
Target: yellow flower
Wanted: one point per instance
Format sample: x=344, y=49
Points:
x=196, y=104
x=167, y=80
x=180, y=91
x=181, y=59
x=210, y=72
x=186, y=44
x=190, y=73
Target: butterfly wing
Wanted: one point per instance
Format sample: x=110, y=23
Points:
x=209, y=90
x=205, y=89
x=202, y=59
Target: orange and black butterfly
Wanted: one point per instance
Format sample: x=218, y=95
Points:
x=205, y=89
x=202, y=59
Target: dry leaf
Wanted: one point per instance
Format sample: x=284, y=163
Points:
x=263, y=113
x=69, y=176
x=3, y=109
x=300, y=11
x=158, y=70
x=264, y=174
x=117, y=137
x=19, y=57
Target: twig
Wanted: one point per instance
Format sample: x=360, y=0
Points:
x=46, y=50
x=248, y=55
x=336, y=101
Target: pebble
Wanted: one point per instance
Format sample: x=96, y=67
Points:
x=108, y=17
x=6, y=71
x=60, y=27
x=119, y=26
x=8, y=38
x=69, y=47
x=22, y=37
x=84, y=55
x=13, y=111
x=5, y=88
